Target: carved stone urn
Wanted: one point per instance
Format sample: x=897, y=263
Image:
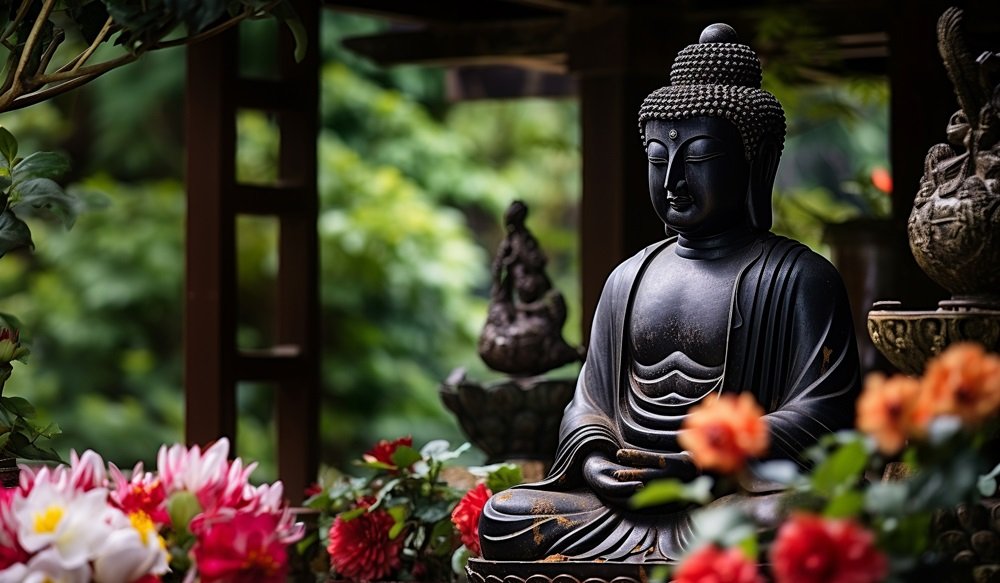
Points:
x=954, y=229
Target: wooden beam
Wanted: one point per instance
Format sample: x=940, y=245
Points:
x=555, y=5
x=210, y=250
x=535, y=42
x=613, y=77
x=297, y=404
x=441, y=11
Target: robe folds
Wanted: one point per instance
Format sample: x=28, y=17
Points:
x=790, y=342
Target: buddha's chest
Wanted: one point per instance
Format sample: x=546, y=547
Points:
x=683, y=305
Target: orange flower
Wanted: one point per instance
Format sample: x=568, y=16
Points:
x=963, y=381
x=882, y=179
x=887, y=410
x=721, y=434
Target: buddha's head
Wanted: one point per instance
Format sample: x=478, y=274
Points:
x=713, y=138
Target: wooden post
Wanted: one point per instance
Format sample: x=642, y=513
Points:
x=618, y=55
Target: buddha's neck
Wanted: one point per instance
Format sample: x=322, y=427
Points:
x=715, y=246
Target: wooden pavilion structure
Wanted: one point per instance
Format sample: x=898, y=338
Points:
x=614, y=53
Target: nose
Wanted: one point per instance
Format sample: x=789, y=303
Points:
x=675, y=173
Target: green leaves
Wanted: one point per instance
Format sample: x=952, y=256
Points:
x=725, y=526
x=285, y=13
x=18, y=406
x=29, y=185
x=667, y=491
x=842, y=469
x=14, y=233
x=405, y=456
x=987, y=484
x=50, y=165
x=503, y=477
x=8, y=147
x=44, y=197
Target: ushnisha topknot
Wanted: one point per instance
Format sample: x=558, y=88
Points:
x=718, y=77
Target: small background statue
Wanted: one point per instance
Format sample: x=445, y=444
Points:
x=523, y=331
x=517, y=418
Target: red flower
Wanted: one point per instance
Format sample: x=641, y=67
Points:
x=313, y=489
x=711, y=564
x=465, y=517
x=383, y=450
x=360, y=549
x=809, y=549
x=11, y=552
x=240, y=546
x=142, y=495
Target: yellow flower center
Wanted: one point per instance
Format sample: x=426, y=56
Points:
x=47, y=521
x=142, y=523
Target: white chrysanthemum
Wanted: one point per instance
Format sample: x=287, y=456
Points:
x=75, y=524
x=45, y=567
x=132, y=550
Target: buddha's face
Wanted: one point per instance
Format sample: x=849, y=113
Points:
x=698, y=175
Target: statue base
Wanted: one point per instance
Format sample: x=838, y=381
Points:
x=908, y=338
x=553, y=571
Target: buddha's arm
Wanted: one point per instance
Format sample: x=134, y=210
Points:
x=587, y=425
x=822, y=377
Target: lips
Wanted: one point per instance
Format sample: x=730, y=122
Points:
x=679, y=202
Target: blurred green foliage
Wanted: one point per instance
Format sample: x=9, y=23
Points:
x=412, y=191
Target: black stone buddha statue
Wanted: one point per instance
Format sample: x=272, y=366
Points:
x=723, y=305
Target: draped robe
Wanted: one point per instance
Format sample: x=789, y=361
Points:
x=790, y=342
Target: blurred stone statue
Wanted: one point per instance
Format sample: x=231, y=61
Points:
x=955, y=224
x=523, y=330
x=517, y=418
x=722, y=306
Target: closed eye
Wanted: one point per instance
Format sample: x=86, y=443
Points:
x=703, y=157
x=657, y=160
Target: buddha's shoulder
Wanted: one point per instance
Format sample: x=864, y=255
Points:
x=800, y=261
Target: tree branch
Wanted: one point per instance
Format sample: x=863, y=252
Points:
x=29, y=47
x=50, y=50
x=40, y=96
x=22, y=11
x=92, y=70
x=82, y=58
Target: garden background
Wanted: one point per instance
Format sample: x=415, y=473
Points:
x=412, y=188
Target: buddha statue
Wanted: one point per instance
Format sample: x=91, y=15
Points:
x=721, y=305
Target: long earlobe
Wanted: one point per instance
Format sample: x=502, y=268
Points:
x=762, y=171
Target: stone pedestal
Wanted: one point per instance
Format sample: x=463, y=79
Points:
x=552, y=571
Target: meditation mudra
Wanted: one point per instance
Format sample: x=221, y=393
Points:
x=721, y=306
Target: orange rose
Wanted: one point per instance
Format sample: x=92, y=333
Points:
x=887, y=410
x=721, y=434
x=964, y=381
